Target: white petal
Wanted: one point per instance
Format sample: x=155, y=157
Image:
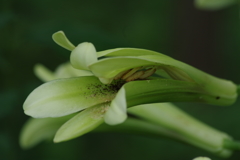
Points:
x=83, y=55
x=43, y=73
x=65, y=96
x=61, y=39
x=67, y=71
x=40, y=129
x=117, y=113
x=82, y=123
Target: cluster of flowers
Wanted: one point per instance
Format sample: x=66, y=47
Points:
x=97, y=87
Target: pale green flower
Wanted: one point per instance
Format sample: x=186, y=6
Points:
x=185, y=128
x=214, y=4
x=63, y=71
x=106, y=83
x=202, y=158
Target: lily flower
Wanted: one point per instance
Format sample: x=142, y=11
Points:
x=64, y=70
x=155, y=120
x=214, y=4
x=110, y=81
x=202, y=158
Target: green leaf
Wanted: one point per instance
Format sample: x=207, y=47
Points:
x=188, y=128
x=65, y=96
x=37, y=130
x=83, y=55
x=61, y=39
x=117, y=112
x=82, y=123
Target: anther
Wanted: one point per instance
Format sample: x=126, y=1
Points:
x=134, y=76
x=130, y=73
x=121, y=74
x=147, y=73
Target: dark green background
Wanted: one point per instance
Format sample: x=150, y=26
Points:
x=207, y=40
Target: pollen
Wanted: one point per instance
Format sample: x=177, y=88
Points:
x=104, y=91
x=99, y=111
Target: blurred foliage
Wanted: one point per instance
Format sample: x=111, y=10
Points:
x=206, y=40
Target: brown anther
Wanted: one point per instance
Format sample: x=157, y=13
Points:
x=147, y=73
x=121, y=74
x=130, y=73
x=135, y=76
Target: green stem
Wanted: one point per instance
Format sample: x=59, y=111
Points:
x=230, y=144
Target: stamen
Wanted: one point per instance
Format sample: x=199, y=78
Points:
x=130, y=73
x=121, y=74
x=178, y=74
x=136, y=75
x=147, y=73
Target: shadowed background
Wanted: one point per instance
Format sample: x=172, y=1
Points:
x=204, y=39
